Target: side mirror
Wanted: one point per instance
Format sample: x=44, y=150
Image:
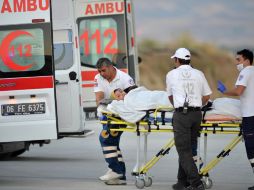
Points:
x=73, y=75
x=139, y=59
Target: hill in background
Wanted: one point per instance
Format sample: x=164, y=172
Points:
x=215, y=62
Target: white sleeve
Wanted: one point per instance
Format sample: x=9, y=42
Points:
x=97, y=86
x=242, y=79
x=168, y=84
x=127, y=81
x=206, y=89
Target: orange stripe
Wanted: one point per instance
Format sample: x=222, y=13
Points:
x=87, y=85
x=132, y=41
x=76, y=41
x=129, y=8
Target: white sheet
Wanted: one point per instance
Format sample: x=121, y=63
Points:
x=143, y=99
x=125, y=112
x=137, y=101
x=226, y=106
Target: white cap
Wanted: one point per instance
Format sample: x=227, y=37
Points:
x=182, y=53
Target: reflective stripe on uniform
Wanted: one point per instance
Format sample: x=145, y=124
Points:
x=120, y=159
x=106, y=148
x=195, y=158
x=251, y=161
x=110, y=155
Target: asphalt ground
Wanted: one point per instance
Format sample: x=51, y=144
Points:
x=76, y=164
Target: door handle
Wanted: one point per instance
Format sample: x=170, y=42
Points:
x=57, y=82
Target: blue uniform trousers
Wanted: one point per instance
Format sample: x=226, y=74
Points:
x=111, y=150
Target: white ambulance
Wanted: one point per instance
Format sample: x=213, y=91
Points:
x=43, y=44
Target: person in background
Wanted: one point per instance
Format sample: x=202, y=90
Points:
x=244, y=87
x=108, y=79
x=187, y=90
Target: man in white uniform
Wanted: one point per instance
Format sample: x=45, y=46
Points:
x=109, y=79
x=187, y=90
x=244, y=87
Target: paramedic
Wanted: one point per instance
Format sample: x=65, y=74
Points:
x=244, y=87
x=108, y=79
x=187, y=90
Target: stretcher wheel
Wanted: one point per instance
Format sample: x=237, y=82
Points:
x=148, y=181
x=208, y=183
x=140, y=183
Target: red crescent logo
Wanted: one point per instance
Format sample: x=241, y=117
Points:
x=4, y=51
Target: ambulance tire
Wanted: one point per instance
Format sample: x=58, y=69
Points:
x=5, y=156
x=17, y=153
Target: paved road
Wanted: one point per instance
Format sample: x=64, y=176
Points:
x=76, y=164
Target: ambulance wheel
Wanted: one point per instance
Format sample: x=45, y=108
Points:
x=148, y=181
x=208, y=183
x=140, y=183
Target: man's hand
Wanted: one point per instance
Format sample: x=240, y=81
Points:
x=221, y=87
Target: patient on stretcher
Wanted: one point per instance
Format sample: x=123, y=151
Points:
x=119, y=94
x=140, y=99
x=132, y=106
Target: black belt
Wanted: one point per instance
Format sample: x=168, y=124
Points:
x=180, y=109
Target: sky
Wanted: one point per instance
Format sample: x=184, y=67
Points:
x=226, y=23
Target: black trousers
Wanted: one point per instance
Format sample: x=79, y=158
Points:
x=186, y=131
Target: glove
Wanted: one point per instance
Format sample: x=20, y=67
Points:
x=100, y=109
x=221, y=87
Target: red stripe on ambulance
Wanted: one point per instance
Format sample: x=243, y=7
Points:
x=88, y=75
x=27, y=83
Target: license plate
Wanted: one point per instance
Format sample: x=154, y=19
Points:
x=91, y=115
x=23, y=109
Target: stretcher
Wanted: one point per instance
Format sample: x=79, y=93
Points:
x=160, y=120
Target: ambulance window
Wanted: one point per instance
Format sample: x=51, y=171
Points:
x=102, y=37
x=63, y=56
x=25, y=50
x=22, y=50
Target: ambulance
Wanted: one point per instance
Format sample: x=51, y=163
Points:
x=48, y=53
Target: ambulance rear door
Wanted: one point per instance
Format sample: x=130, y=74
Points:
x=105, y=30
x=67, y=69
x=27, y=97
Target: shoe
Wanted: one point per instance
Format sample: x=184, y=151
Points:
x=180, y=185
x=251, y=188
x=115, y=182
x=199, y=187
x=102, y=178
x=111, y=175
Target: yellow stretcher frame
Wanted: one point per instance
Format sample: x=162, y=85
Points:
x=143, y=126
